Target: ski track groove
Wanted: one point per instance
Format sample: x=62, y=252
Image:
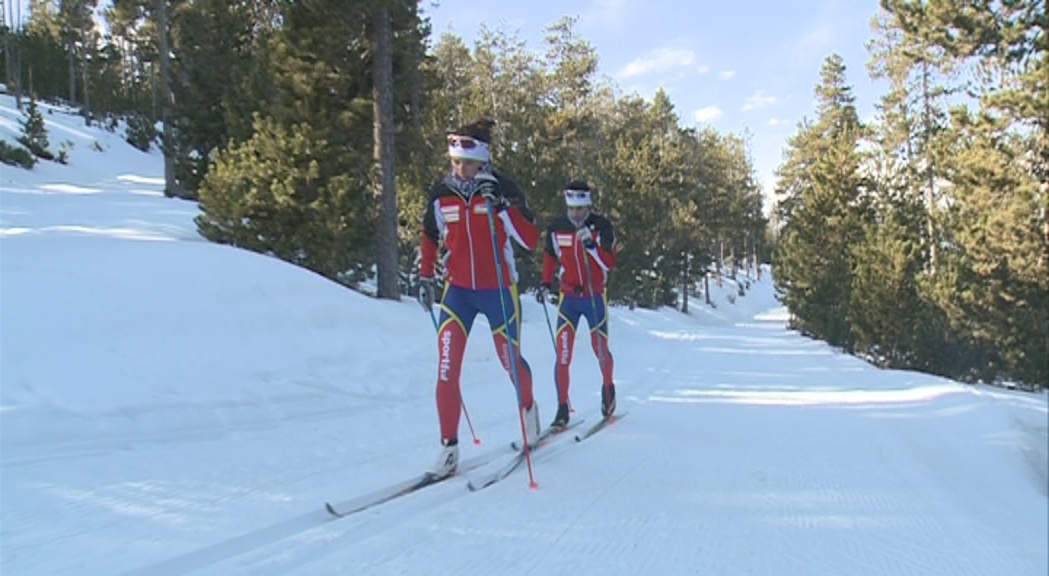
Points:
x=403, y=553
x=336, y=536
x=302, y=525
x=386, y=555
x=539, y=562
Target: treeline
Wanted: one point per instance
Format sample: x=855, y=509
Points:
x=920, y=241
x=310, y=130
x=273, y=117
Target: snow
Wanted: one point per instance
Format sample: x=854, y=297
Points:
x=171, y=406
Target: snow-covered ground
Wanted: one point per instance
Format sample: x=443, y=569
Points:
x=170, y=406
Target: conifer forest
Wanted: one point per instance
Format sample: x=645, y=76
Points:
x=311, y=130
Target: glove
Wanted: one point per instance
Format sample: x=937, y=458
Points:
x=584, y=236
x=426, y=293
x=542, y=294
x=498, y=203
x=488, y=189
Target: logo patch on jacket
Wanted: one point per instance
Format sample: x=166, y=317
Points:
x=481, y=208
x=450, y=213
x=565, y=240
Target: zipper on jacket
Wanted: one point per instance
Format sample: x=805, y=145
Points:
x=470, y=241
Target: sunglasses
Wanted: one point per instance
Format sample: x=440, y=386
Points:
x=464, y=142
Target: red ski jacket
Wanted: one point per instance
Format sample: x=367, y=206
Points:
x=564, y=253
x=461, y=221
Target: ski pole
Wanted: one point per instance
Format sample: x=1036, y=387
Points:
x=593, y=309
x=510, y=344
x=549, y=326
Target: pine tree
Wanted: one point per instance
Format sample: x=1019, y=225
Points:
x=887, y=314
x=34, y=133
x=272, y=194
x=997, y=295
x=913, y=111
x=823, y=213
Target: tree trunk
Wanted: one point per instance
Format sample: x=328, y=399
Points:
x=746, y=254
x=71, y=51
x=8, y=57
x=171, y=185
x=153, y=92
x=421, y=158
x=721, y=260
x=385, y=182
x=754, y=258
x=930, y=197
x=13, y=70
x=684, y=285
x=84, y=71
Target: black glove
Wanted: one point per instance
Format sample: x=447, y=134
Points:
x=542, y=294
x=426, y=293
x=498, y=203
x=488, y=188
x=585, y=237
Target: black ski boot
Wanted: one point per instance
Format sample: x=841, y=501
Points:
x=561, y=420
x=608, y=400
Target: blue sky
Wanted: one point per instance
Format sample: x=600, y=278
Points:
x=737, y=66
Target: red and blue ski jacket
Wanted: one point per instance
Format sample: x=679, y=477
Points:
x=460, y=220
x=565, y=254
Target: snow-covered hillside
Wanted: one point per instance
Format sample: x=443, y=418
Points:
x=170, y=406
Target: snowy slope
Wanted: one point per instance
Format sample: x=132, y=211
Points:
x=169, y=406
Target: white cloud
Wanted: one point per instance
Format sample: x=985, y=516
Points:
x=726, y=74
x=707, y=114
x=658, y=61
x=606, y=14
x=759, y=100
x=774, y=121
x=703, y=69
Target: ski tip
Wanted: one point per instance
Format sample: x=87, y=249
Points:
x=578, y=438
x=331, y=510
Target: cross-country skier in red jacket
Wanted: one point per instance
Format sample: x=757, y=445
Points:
x=581, y=247
x=460, y=212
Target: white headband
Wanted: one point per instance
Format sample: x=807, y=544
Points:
x=577, y=198
x=479, y=152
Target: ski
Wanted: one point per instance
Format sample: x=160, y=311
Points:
x=550, y=431
x=599, y=426
x=382, y=496
x=519, y=458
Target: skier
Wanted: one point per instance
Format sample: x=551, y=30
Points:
x=462, y=209
x=581, y=248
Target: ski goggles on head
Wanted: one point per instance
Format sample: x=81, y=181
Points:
x=467, y=148
x=577, y=198
x=464, y=142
